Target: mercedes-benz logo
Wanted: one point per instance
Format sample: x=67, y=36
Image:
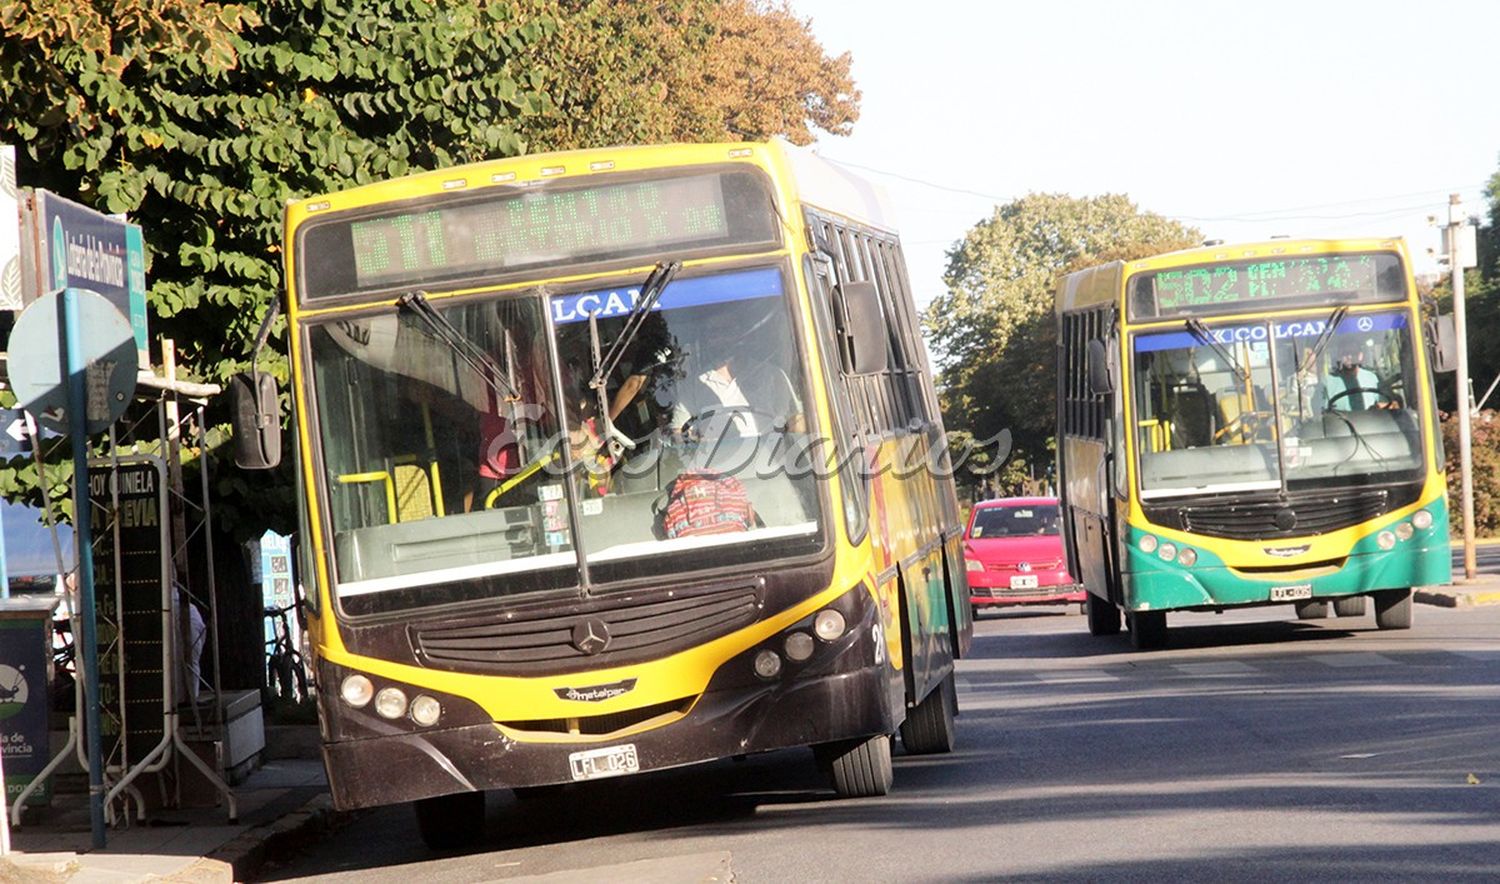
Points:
x=1365, y=323
x=1285, y=519
x=590, y=636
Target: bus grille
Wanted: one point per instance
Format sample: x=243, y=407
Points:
x=602, y=725
x=544, y=642
x=1295, y=517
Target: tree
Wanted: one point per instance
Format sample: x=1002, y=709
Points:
x=684, y=70
x=994, y=330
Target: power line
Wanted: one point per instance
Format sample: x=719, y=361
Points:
x=1265, y=215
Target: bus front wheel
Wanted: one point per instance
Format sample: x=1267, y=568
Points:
x=858, y=768
x=1312, y=610
x=449, y=822
x=1148, y=630
x=1104, y=617
x=1393, y=608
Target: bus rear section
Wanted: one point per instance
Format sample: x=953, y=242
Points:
x=1271, y=439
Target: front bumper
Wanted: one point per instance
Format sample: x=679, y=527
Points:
x=405, y=767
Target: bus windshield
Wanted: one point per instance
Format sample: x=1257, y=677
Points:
x=1281, y=403
x=444, y=485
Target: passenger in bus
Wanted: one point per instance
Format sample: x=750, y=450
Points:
x=1349, y=386
x=726, y=390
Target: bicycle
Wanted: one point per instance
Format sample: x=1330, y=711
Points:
x=286, y=676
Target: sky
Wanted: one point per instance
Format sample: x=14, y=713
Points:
x=1309, y=118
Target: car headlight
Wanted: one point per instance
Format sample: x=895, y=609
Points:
x=973, y=565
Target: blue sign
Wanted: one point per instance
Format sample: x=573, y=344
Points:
x=25, y=651
x=1294, y=328
x=740, y=285
x=94, y=251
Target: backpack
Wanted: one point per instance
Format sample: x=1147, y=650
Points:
x=699, y=503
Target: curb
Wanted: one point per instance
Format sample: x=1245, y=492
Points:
x=242, y=858
x=1454, y=599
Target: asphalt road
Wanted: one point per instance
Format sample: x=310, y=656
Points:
x=1254, y=747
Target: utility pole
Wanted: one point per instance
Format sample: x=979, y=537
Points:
x=1456, y=263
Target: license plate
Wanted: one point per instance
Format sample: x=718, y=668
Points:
x=611, y=761
x=1291, y=593
x=1023, y=581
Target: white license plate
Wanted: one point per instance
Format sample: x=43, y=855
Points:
x=611, y=761
x=1023, y=581
x=1291, y=593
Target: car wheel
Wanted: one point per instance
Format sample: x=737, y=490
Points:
x=1104, y=617
x=1349, y=606
x=1312, y=610
x=1393, y=608
x=858, y=768
x=1148, y=629
x=928, y=728
x=449, y=822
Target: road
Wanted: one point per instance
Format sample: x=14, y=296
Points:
x=1254, y=747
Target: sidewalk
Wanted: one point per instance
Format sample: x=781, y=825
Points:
x=284, y=801
x=1484, y=589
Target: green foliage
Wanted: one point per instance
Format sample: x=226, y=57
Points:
x=1485, y=472
x=994, y=331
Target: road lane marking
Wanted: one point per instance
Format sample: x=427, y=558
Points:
x=1353, y=660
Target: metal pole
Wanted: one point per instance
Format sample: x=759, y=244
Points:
x=83, y=541
x=1465, y=452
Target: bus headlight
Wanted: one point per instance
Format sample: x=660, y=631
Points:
x=1385, y=540
x=1188, y=556
x=390, y=703
x=1404, y=531
x=767, y=664
x=1148, y=543
x=829, y=624
x=357, y=691
x=426, y=711
x=1422, y=519
x=1167, y=552
x=798, y=646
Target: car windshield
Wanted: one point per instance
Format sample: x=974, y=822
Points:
x=443, y=484
x=1249, y=406
x=1030, y=520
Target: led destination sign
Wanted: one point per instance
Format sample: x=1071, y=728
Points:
x=1323, y=279
x=507, y=229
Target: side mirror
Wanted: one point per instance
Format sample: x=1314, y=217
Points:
x=1444, y=344
x=1100, y=382
x=256, y=421
x=869, y=341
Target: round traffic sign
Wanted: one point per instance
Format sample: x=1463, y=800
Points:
x=37, y=359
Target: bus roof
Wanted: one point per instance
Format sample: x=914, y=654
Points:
x=1104, y=283
x=817, y=181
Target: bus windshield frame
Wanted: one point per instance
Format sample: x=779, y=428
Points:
x=548, y=342
x=1217, y=409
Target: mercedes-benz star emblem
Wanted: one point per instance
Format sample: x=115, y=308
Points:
x=590, y=636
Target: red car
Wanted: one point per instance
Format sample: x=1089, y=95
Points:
x=1014, y=554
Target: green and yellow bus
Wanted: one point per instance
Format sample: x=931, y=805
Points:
x=607, y=464
x=1250, y=425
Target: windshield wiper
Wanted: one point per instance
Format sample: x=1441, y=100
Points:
x=1324, y=337
x=477, y=359
x=651, y=289
x=1201, y=332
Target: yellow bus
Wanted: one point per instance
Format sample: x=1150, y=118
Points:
x=606, y=462
x=1250, y=425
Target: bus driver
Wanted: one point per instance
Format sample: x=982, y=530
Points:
x=727, y=391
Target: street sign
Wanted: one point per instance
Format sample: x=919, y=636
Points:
x=16, y=432
x=76, y=246
x=107, y=348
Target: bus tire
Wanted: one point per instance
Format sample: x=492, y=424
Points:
x=1393, y=608
x=928, y=728
x=1104, y=617
x=1349, y=606
x=1148, y=630
x=1312, y=610
x=450, y=822
x=858, y=768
